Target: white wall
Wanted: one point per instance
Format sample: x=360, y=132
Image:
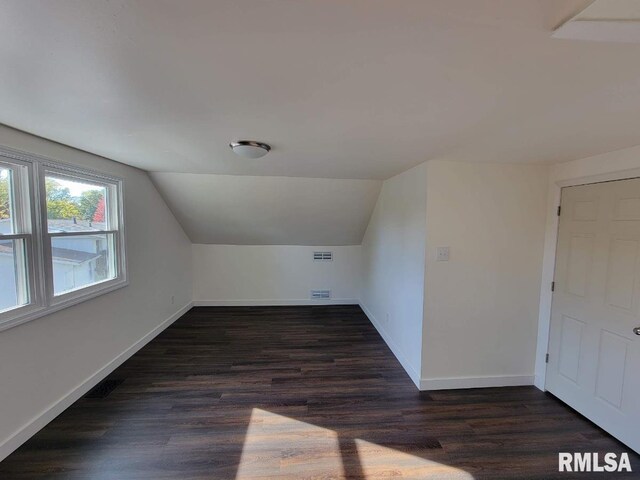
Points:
x=393, y=265
x=274, y=274
x=46, y=364
x=616, y=165
x=481, y=307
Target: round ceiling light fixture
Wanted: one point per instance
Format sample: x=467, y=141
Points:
x=249, y=148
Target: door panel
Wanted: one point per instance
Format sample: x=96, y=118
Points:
x=611, y=368
x=594, y=355
x=580, y=258
x=570, y=348
x=628, y=209
x=621, y=274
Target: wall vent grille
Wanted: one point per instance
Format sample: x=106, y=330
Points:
x=322, y=256
x=320, y=294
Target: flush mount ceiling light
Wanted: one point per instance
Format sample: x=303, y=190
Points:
x=250, y=149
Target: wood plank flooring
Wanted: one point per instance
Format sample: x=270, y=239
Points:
x=297, y=393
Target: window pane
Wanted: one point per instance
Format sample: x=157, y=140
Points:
x=75, y=206
x=82, y=260
x=13, y=274
x=7, y=215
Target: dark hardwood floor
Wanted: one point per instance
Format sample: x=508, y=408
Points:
x=297, y=393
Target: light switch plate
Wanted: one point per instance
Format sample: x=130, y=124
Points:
x=442, y=254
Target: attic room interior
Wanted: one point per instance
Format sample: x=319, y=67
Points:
x=337, y=239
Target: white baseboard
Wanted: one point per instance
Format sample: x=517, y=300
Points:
x=273, y=302
x=52, y=411
x=475, y=382
x=399, y=354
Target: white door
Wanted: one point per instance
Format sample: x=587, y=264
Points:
x=594, y=344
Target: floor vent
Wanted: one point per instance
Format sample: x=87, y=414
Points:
x=104, y=388
x=322, y=256
x=320, y=294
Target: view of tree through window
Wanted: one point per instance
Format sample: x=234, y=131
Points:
x=82, y=203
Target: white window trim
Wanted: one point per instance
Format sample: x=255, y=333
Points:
x=43, y=301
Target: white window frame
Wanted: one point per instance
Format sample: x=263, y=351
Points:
x=32, y=194
x=26, y=213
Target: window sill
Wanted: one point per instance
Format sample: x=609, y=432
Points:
x=27, y=313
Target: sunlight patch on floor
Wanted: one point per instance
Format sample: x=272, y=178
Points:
x=377, y=461
x=277, y=446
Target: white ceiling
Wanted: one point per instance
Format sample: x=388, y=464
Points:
x=340, y=88
x=248, y=210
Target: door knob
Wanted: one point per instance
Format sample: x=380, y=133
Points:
x=636, y=330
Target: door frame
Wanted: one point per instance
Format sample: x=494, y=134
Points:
x=549, y=258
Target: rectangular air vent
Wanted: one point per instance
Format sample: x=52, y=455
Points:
x=322, y=256
x=320, y=294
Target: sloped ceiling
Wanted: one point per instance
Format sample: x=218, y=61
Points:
x=249, y=210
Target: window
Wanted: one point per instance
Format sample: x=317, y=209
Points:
x=82, y=231
x=61, y=236
x=15, y=238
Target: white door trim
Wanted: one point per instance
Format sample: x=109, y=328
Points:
x=549, y=259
